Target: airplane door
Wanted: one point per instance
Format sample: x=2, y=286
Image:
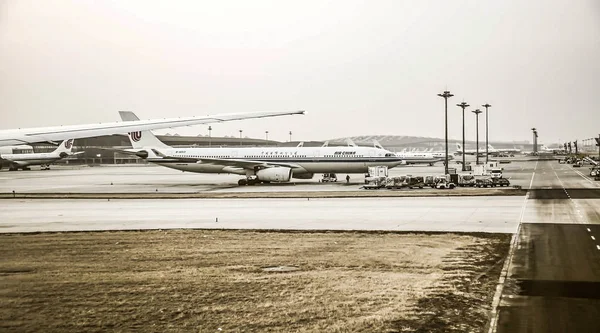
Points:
x=234, y=153
x=316, y=155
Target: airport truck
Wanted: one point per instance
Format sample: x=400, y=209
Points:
x=443, y=182
x=395, y=182
x=484, y=182
x=374, y=183
x=429, y=181
x=500, y=182
x=414, y=181
x=466, y=180
x=496, y=173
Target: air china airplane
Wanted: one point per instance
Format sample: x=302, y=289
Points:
x=267, y=164
x=474, y=151
x=20, y=136
x=23, y=161
x=504, y=150
x=420, y=158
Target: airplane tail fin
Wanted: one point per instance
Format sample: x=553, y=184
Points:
x=64, y=149
x=376, y=144
x=141, y=139
x=490, y=146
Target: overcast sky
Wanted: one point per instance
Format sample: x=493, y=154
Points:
x=356, y=67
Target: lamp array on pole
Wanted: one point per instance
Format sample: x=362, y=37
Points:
x=209, y=135
x=486, y=106
x=463, y=105
x=266, y=137
x=290, y=136
x=241, y=137
x=477, y=112
x=446, y=94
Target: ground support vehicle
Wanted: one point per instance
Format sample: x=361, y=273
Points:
x=444, y=184
x=500, y=182
x=496, y=173
x=395, y=182
x=374, y=183
x=429, y=181
x=484, y=182
x=414, y=181
x=329, y=178
x=466, y=180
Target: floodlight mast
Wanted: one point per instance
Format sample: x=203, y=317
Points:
x=446, y=94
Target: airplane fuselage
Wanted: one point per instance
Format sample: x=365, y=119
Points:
x=308, y=160
x=31, y=159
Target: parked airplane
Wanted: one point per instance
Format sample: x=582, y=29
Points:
x=421, y=158
x=459, y=150
x=24, y=161
x=50, y=134
x=261, y=164
x=504, y=150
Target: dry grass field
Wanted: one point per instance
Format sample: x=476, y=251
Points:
x=215, y=281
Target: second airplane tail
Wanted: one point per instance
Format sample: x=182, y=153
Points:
x=64, y=149
x=141, y=139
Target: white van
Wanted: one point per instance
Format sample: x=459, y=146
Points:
x=496, y=173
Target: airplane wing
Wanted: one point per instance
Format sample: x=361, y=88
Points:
x=57, y=133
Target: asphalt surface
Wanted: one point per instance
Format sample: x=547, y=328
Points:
x=152, y=178
x=554, y=276
x=460, y=214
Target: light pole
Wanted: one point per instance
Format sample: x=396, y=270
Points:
x=209, y=136
x=446, y=94
x=534, y=140
x=486, y=106
x=266, y=138
x=463, y=105
x=477, y=112
x=241, y=137
x=290, y=136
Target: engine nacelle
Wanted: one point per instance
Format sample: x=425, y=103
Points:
x=303, y=176
x=277, y=174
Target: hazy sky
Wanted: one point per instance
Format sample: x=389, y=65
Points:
x=356, y=67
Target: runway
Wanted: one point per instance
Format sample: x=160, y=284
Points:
x=477, y=214
x=554, y=275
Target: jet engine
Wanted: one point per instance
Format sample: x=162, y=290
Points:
x=276, y=174
x=142, y=154
x=303, y=176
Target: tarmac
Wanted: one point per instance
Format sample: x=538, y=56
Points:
x=551, y=278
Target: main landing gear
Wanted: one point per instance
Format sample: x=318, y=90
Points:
x=250, y=180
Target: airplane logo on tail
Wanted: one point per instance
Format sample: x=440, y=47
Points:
x=69, y=143
x=136, y=136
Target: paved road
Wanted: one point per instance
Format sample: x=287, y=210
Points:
x=468, y=214
x=554, y=277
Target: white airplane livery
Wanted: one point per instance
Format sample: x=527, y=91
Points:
x=421, y=157
x=266, y=164
x=12, y=137
x=491, y=150
x=23, y=161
